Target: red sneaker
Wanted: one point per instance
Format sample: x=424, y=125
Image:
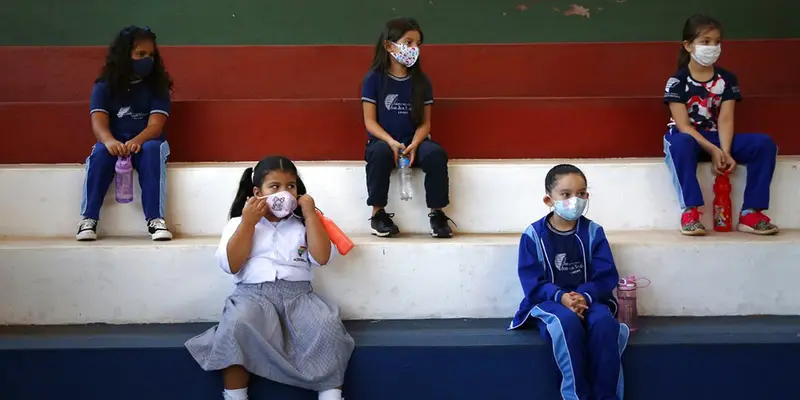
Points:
x=756, y=223
x=690, y=223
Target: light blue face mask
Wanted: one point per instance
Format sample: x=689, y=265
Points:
x=570, y=209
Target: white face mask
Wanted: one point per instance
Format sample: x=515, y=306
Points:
x=406, y=55
x=570, y=209
x=281, y=204
x=706, y=55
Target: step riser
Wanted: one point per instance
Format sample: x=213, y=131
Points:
x=425, y=373
x=486, y=197
x=403, y=280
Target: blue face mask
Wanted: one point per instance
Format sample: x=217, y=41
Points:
x=570, y=209
x=143, y=66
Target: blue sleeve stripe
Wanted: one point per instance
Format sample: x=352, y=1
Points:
x=94, y=110
x=428, y=102
x=593, y=227
x=531, y=234
x=367, y=99
x=159, y=112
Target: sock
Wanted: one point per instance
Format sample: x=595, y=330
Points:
x=748, y=211
x=331, y=394
x=235, y=394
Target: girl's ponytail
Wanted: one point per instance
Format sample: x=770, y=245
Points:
x=683, y=58
x=245, y=190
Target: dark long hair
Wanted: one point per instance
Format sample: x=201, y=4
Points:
x=118, y=69
x=254, y=178
x=392, y=32
x=694, y=26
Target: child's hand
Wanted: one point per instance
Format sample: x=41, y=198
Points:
x=411, y=153
x=306, y=204
x=575, y=302
x=396, y=147
x=254, y=210
x=116, y=148
x=731, y=163
x=133, y=146
x=719, y=162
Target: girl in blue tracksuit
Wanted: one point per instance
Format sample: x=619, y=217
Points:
x=568, y=274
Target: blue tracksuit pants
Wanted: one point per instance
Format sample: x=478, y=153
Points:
x=150, y=163
x=755, y=150
x=588, y=352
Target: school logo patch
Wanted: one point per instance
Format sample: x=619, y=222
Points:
x=671, y=83
x=389, y=100
x=301, y=251
x=559, y=260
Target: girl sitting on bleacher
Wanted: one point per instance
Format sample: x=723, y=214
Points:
x=397, y=99
x=273, y=324
x=568, y=274
x=129, y=106
x=701, y=97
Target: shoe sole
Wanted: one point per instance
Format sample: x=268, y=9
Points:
x=385, y=234
x=433, y=234
x=747, y=229
x=86, y=236
x=161, y=236
x=698, y=232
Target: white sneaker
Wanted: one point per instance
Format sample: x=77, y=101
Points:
x=87, y=230
x=158, y=229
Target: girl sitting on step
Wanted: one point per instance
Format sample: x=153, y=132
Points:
x=129, y=106
x=274, y=325
x=397, y=100
x=701, y=97
x=568, y=274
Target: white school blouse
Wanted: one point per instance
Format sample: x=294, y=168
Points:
x=280, y=251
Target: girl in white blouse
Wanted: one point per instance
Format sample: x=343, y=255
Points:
x=273, y=324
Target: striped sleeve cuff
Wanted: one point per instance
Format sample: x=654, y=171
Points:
x=428, y=102
x=588, y=297
x=94, y=110
x=159, y=112
x=368, y=100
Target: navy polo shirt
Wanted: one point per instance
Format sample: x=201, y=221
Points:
x=392, y=97
x=128, y=116
x=703, y=100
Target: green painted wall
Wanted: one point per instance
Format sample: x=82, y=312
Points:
x=298, y=22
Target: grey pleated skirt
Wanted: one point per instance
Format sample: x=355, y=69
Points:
x=281, y=331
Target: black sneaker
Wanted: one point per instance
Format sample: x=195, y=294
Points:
x=87, y=230
x=440, y=225
x=158, y=229
x=382, y=224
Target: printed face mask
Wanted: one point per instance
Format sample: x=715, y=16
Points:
x=143, y=66
x=706, y=55
x=570, y=209
x=406, y=55
x=281, y=204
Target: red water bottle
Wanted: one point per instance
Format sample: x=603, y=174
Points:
x=723, y=221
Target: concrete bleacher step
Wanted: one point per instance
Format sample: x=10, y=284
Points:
x=668, y=359
x=133, y=280
x=492, y=196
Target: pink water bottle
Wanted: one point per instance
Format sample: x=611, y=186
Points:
x=627, y=313
x=123, y=181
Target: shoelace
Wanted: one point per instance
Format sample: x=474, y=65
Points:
x=441, y=216
x=158, y=223
x=87, y=224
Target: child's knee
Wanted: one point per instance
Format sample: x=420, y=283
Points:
x=681, y=142
x=101, y=158
x=380, y=152
x=764, y=143
x=152, y=147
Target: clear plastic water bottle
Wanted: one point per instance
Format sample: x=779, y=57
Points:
x=123, y=180
x=406, y=178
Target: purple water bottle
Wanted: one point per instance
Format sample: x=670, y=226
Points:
x=123, y=181
x=628, y=312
